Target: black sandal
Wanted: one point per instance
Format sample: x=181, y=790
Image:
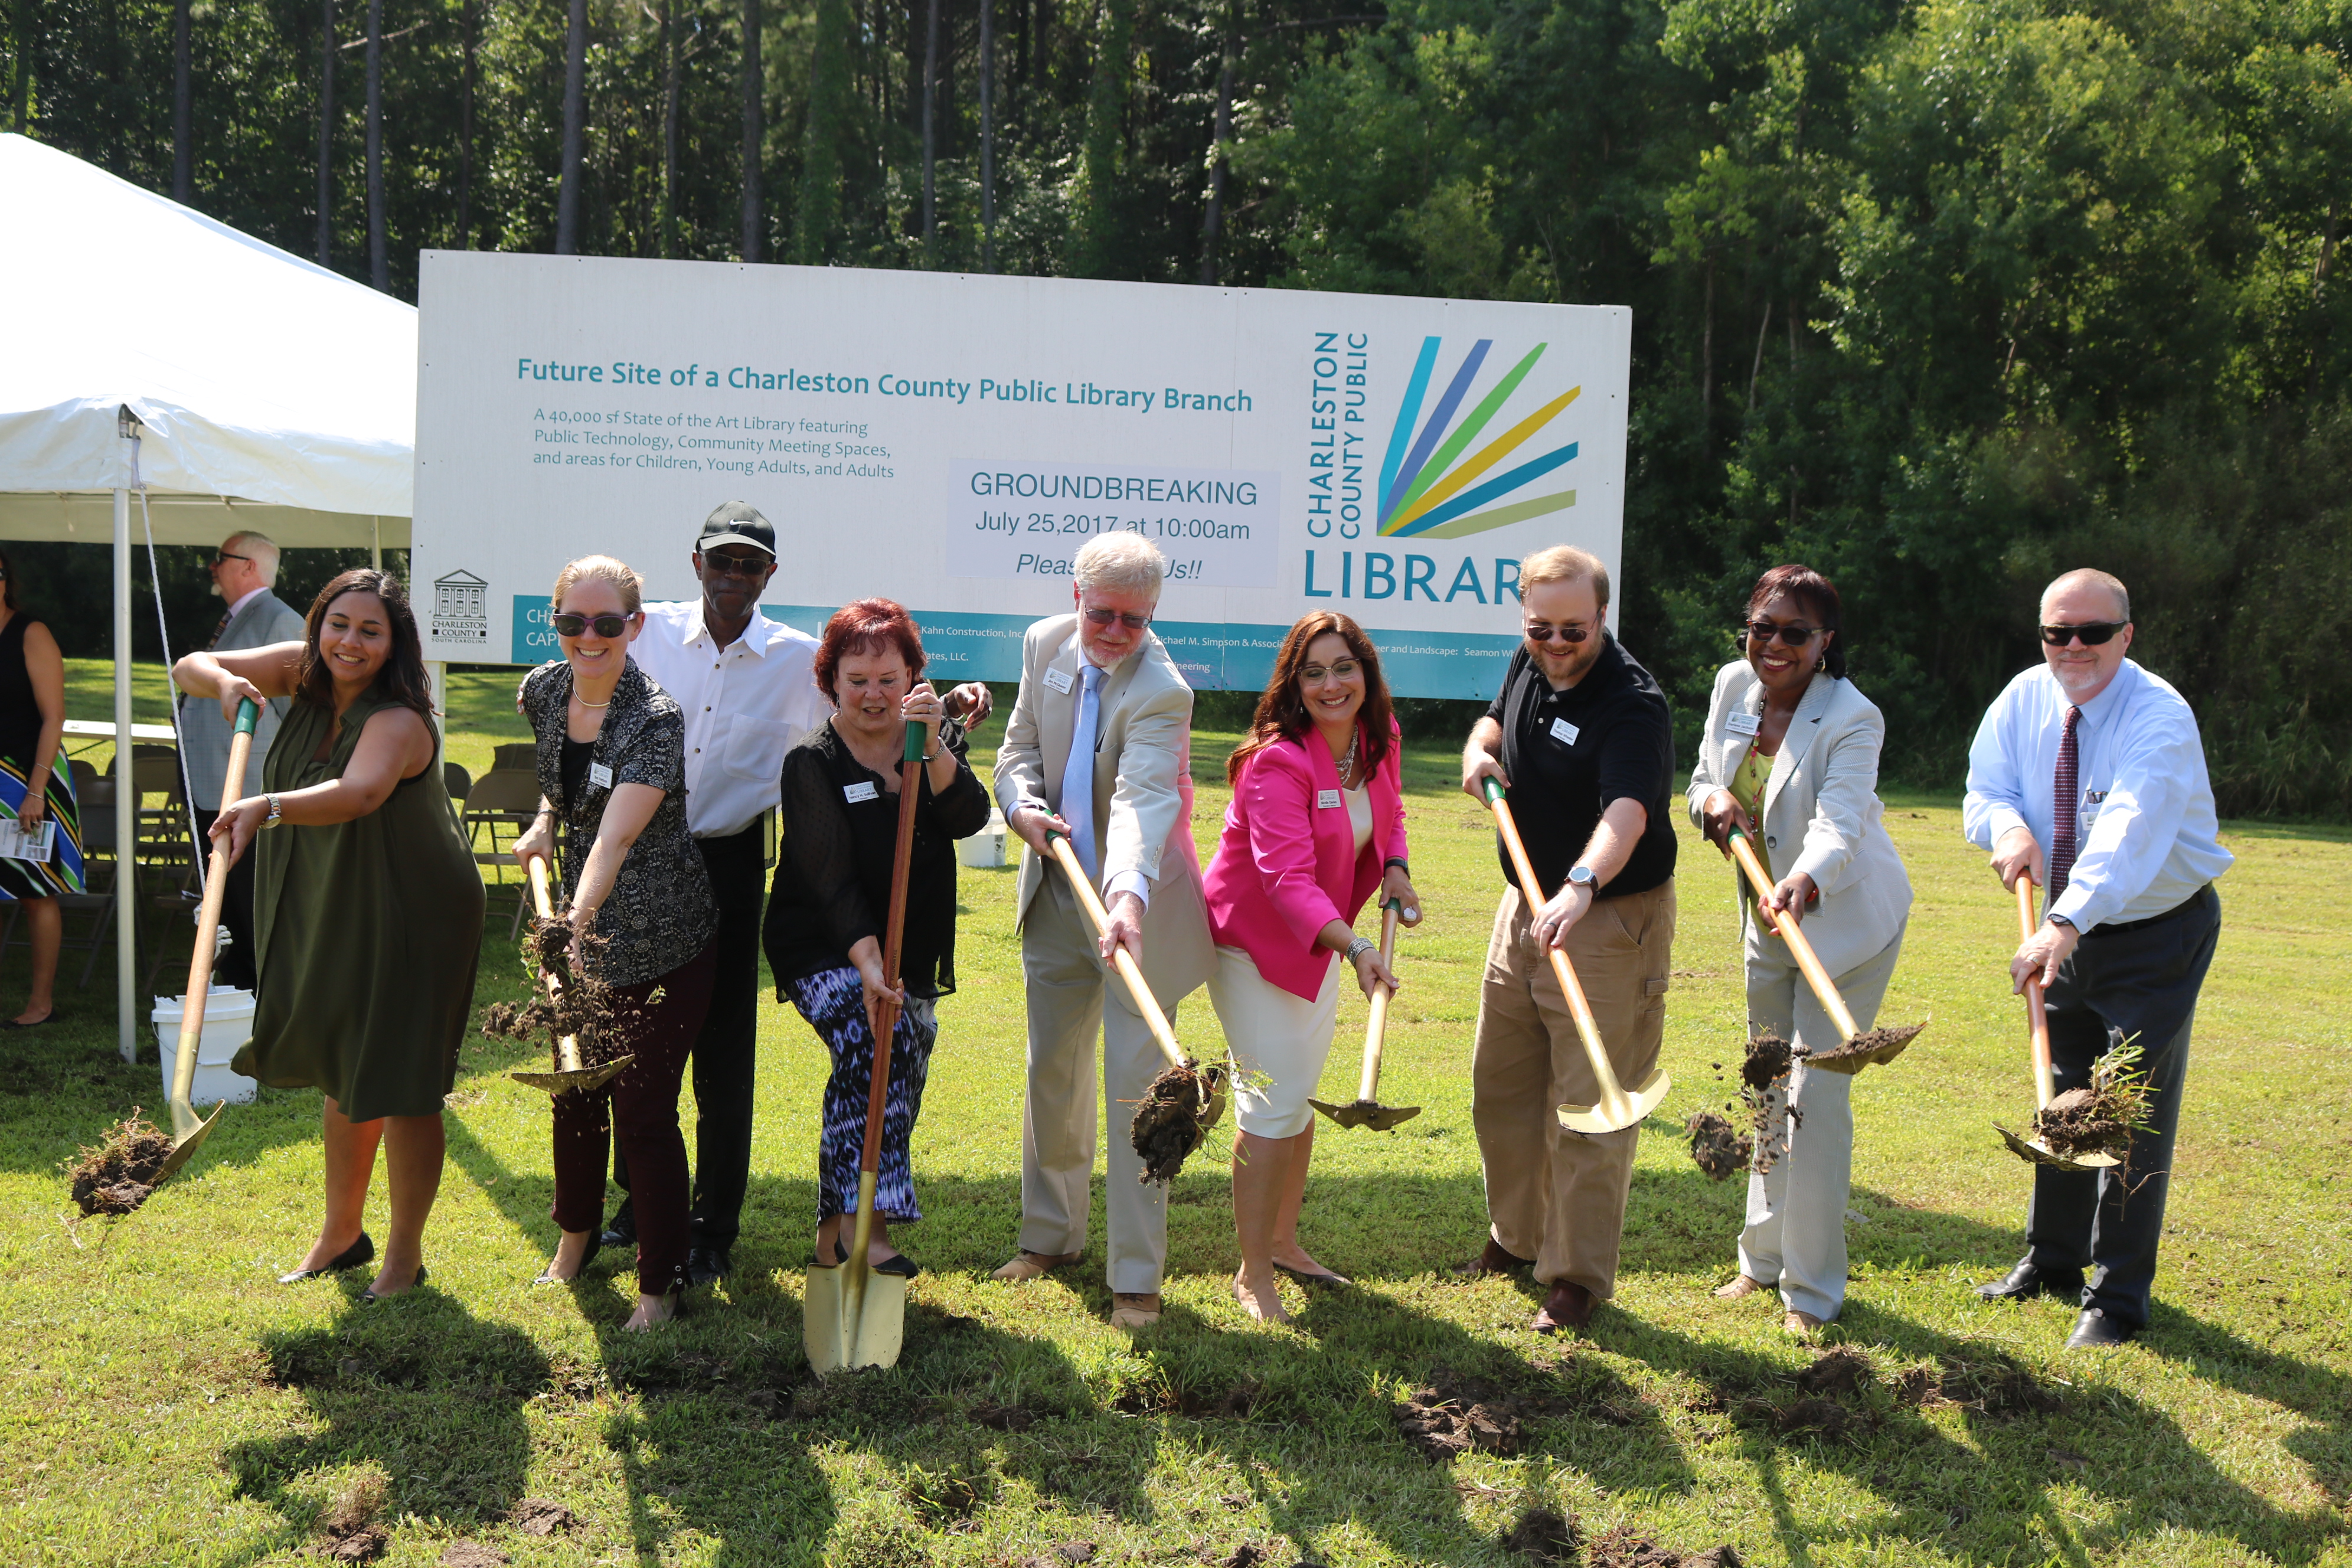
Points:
x=352, y=1257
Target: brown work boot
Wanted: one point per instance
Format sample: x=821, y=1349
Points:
x=1493, y=1260
x=1570, y=1306
x=1027, y=1266
x=1134, y=1309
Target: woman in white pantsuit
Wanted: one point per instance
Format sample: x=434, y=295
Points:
x=1790, y=757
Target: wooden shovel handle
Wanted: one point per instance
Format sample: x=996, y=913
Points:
x=567, y=1048
x=1376, y=1022
x=1788, y=931
x=1587, y=1028
x=200, y=961
x=2037, y=1015
x=1123, y=961
x=884, y=1020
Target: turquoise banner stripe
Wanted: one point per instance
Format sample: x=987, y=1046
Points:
x=1215, y=656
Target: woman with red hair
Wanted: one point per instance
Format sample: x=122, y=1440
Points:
x=1317, y=823
x=832, y=894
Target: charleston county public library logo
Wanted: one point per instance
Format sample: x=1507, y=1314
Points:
x=461, y=608
x=1426, y=494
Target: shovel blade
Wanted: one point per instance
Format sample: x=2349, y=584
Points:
x=1349, y=1115
x=185, y=1146
x=1381, y=1118
x=838, y=1342
x=582, y=1079
x=1629, y=1109
x=1210, y=1114
x=2034, y=1152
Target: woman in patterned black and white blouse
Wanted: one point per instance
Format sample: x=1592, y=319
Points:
x=611, y=766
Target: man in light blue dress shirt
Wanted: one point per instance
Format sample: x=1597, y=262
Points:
x=2087, y=775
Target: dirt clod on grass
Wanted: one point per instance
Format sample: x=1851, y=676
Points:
x=1839, y=1371
x=535, y=1516
x=348, y=1527
x=1868, y=1047
x=1542, y=1536
x=116, y=1175
x=1987, y=1382
x=1167, y=1125
x=472, y=1554
x=1443, y=1423
x=1003, y=1417
x=585, y=1009
x=1620, y=1547
x=1721, y=1149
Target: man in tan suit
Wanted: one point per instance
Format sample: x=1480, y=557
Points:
x=1096, y=684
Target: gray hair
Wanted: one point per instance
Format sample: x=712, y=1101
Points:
x=2107, y=580
x=1120, y=560
x=261, y=550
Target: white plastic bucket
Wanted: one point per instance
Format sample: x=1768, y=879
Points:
x=228, y=1023
x=985, y=847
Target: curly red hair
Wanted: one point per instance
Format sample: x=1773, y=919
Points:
x=868, y=625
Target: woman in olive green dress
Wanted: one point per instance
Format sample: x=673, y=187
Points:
x=368, y=909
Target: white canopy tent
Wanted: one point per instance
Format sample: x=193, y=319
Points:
x=154, y=352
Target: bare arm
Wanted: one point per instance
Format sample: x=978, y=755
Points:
x=1614, y=836
x=254, y=675
x=1483, y=759
x=47, y=667
x=626, y=816
x=396, y=744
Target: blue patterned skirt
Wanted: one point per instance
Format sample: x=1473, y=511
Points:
x=62, y=871
x=834, y=1002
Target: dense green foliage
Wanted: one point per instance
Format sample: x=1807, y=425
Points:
x=1942, y=297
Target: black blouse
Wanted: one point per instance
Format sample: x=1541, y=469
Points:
x=833, y=877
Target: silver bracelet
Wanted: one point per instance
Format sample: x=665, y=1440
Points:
x=1358, y=947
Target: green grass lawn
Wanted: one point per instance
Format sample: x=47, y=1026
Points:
x=162, y=1400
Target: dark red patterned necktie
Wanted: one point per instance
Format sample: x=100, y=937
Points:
x=220, y=629
x=2062, y=828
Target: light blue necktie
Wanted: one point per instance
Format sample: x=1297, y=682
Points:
x=1078, y=773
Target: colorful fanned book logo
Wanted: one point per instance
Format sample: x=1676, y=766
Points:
x=1426, y=493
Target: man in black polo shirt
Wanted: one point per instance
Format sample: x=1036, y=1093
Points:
x=1581, y=739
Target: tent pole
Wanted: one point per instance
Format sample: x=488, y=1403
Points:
x=126, y=800
x=375, y=541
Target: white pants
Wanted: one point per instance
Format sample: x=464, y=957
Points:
x=1795, y=1235
x=1067, y=982
x=1279, y=1041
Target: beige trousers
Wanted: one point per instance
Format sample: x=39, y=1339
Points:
x=1555, y=1195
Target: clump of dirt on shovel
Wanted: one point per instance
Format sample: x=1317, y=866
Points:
x=115, y=1175
x=1167, y=1125
x=2099, y=1120
x=586, y=1007
x=1721, y=1149
x=1868, y=1047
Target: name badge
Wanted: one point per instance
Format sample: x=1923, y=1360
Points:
x=1564, y=732
x=599, y=776
x=1059, y=680
x=1743, y=723
x=862, y=790
x=1327, y=800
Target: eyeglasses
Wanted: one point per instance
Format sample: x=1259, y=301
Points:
x=738, y=566
x=1131, y=621
x=1346, y=670
x=225, y=556
x=1541, y=632
x=606, y=626
x=1794, y=634
x=2094, y=633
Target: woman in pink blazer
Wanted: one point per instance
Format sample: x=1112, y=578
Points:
x=1317, y=823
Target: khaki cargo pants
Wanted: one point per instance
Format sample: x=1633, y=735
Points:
x=1554, y=1195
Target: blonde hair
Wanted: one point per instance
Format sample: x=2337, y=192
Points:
x=601, y=569
x=1120, y=561
x=1565, y=564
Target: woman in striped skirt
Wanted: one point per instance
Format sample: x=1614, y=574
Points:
x=36, y=793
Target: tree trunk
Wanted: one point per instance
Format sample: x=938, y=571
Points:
x=326, y=132
x=671, y=68
x=378, y=272
x=988, y=135
x=1757, y=369
x=1706, y=362
x=25, y=64
x=831, y=96
x=575, y=115
x=183, y=152
x=1213, y=213
x=930, y=108
x=466, y=132
x=751, y=131
x=1106, y=126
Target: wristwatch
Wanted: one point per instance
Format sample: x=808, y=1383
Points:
x=275, y=816
x=2062, y=920
x=1583, y=877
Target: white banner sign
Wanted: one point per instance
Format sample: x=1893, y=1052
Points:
x=952, y=441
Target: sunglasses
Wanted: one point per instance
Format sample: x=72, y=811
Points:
x=606, y=626
x=1571, y=635
x=225, y=556
x=1794, y=634
x=2094, y=633
x=738, y=566
x=1133, y=623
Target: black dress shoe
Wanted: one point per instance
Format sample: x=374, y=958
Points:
x=2030, y=1279
x=623, y=1231
x=352, y=1257
x=708, y=1264
x=2094, y=1328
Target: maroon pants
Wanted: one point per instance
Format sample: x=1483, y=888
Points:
x=641, y=1107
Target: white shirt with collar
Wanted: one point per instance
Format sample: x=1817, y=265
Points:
x=746, y=705
x=2146, y=832
x=245, y=598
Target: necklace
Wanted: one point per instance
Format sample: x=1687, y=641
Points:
x=585, y=703
x=1348, y=764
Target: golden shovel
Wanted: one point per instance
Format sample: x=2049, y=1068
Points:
x=2046, y=1080
x=1856, y=1050
x=189, y=1130
x=1367, y=1111
x=1615, y=1109
x=850, y=1316
x=568, y=1074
